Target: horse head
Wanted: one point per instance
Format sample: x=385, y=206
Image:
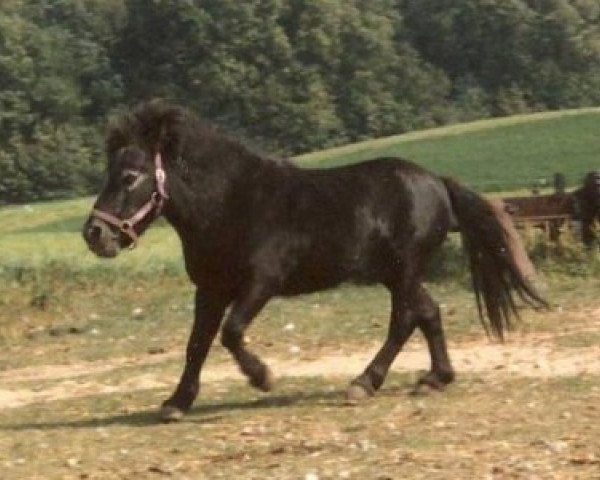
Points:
x=135, y=191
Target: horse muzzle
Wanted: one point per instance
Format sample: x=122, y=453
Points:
x=101, y=239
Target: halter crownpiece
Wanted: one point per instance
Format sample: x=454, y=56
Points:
x=156, y=203
x=161, y=177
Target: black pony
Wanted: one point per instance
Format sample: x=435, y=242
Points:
x=253, y=228
x=587, y=199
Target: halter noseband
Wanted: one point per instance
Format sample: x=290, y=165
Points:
x=155, y=203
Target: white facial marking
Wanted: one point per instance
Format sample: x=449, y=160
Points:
x=134, y=178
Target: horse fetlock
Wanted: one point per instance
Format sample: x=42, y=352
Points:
x=232, y=340
x=445, y=376
x=178, y=404
x=359, y=392
x=171, y=413
x=433, y=381
x=264, y=380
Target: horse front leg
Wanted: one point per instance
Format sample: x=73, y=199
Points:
x=243, y=311
x=208, y=313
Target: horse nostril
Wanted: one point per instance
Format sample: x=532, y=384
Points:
x=94, y=233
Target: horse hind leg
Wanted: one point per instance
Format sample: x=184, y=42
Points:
x=422, y=312
x=402, y=324
x=429, y=322
x=243, y=311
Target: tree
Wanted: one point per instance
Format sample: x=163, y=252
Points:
x=50, y=99
x=292, y=75
x=524, y=54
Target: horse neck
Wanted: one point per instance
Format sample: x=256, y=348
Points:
x=203, y=190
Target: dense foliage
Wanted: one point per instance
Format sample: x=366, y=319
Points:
x=292, y=75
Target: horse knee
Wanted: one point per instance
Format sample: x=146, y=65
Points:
x=231, y=336
x=402, y=329
x=431, y=328
x=429, y=318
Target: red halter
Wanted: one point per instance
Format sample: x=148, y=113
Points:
x=155, y=203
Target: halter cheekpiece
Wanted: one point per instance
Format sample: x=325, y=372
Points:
x=155, y=204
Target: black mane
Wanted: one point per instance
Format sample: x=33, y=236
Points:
x=157, y=125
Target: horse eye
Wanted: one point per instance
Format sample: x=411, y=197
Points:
x=130, y=178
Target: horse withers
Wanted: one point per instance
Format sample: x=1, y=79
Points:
x=253, y=228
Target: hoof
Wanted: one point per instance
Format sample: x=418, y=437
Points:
x=427, y=385
x=422, y=390
x=266, y=383
x=357, y=393
x=170, y=414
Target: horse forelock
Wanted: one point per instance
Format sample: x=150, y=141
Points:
x=154, y=126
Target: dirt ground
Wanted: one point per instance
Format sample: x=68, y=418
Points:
x=532, y=356
x=528, y=408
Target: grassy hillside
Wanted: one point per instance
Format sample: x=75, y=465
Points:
x=491, y=155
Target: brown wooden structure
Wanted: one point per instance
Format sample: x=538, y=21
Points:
x=548, y=212
x=552, y=212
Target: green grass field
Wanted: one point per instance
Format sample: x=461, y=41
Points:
x=491, y=155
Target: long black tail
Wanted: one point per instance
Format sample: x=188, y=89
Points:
x=493, y=269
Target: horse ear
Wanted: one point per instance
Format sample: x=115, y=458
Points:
x=116, y=137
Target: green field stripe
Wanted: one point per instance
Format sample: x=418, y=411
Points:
x=315, y=158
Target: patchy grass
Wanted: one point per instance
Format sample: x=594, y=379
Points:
x=69, y=319
x=581, y=339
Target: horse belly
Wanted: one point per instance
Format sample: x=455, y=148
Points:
x=315, y=272
x=357, y=260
